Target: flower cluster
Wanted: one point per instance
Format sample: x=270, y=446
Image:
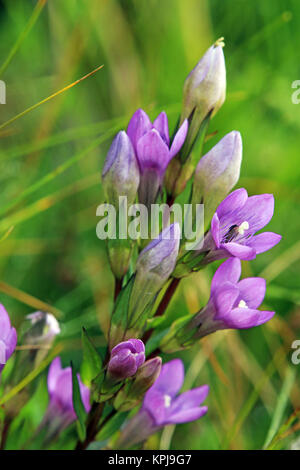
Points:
x=145, y=165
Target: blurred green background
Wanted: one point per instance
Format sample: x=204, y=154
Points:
x=50, y=182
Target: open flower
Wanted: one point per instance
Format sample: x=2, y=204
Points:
x=163, y=406
x=234, y=225
x=126, y=358
x=154, y=152
x=8, y=337
x=60, y=409
x=233, y=303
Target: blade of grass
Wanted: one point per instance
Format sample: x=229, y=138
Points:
x=250, y=403
x=31, y=22
x=45, y=100
x=284, y=430
x=48, y=201
x=59, y=170
x=28, y=299
x=281, y=405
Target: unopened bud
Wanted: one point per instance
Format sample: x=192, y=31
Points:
x=204, y=92
x=154, y=266
x=125, y=359
x=120, y=174
x=120, y=177
x=129, y=396
x=217, y=173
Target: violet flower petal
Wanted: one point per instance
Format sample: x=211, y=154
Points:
x=232, y=202
x=243, y=252
x=5, y=324
x=229, y=271
x=179, y=139
x=215, y=229
x=252, y=291
x=186, y=416
x=138, y=125
x=153, y=152
x=53, y=374
x=242, y=318
x=224, y=299
x=171, y=378
x=258, y=211
x=264, y=241
x=162, y=126
x=154, y=403
x=264, y=316
x=190, y=399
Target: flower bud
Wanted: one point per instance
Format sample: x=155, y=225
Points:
x=120, y=174
x=125, y=359
x=154, y=266
x=133, y=392
x=120, y=177
x=205, y=86
x=203, y=93
x=216, y=173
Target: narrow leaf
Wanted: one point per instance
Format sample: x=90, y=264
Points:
x=78, y=406
x=92, y=362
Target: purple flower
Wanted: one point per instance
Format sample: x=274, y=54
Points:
x=234, y=225
x=60, y=391
x=233, y=303
x=8, y=337
x=154, y=152
x=126, y=358
x=163, y=406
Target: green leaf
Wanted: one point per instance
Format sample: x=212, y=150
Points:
x=78, y=406
x=113, y=425
x=92, y=362
x=120, y=315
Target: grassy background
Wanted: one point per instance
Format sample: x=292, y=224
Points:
x=52, y=253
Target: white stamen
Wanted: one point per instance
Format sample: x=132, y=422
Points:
x=244, y=226
x=167, y=401
x=242, y=304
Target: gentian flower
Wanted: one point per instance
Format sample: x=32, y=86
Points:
x=60, y=410
x=233, y=303
x=154, y=152
x=8, y=337
x=126, y=358
x=162, y=405
x=234, y=225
